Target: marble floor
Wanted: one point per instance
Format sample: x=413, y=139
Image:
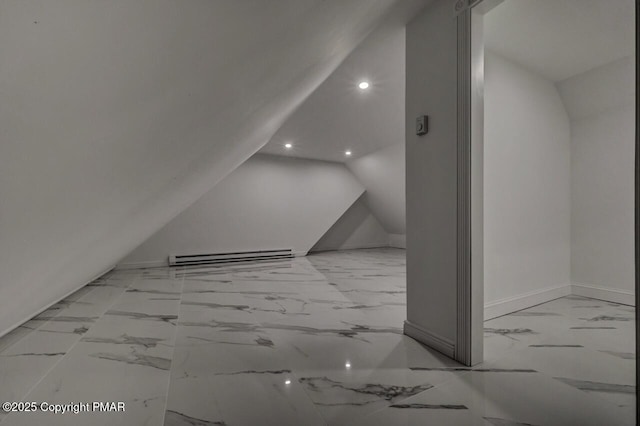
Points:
x=311, y=341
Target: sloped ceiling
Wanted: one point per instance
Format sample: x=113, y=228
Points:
x=117, y=115
x=601, y=89
x=339, y=116
x=561, y=38
x=555, y=38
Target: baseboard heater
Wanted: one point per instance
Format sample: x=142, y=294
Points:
x=231, y=257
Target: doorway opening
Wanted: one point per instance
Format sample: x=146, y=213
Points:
x=549, y=194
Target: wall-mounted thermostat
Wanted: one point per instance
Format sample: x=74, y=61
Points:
x=422, y=125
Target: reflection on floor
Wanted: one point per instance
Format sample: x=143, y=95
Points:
x=312, y=341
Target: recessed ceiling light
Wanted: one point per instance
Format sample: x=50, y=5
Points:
x=287, y=382
x=288, y=145
x=347, y=364
x=363, y=85
x=347, y=153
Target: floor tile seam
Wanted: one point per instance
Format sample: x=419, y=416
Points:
x=586, y=350
x=67, y=353
x=57, y=314
x=296, y=376
x=106, y=308
x=173, y=350
x=589, y=345
x=19, y=339
x=479, y=417
x=32, y=388
x=541, y=336
x=79, y=337
x=455, y=375
x=95, y=288
x=308, y=396
x=89, y=293
x=586, y=322
x=597, y=395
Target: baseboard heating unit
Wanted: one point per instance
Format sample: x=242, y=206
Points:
x=231, y=257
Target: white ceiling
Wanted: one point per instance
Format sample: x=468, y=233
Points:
x=561, y=38
x=555, y=38
x=339, y=116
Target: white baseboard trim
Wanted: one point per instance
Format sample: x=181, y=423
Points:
x=30, y=317
x=398, y=241
x=517, y=303
x=144, y=264
x=615, y=295
x=380, y=244
x=430, y=339
x=352, y=247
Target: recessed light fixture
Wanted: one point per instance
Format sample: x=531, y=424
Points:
x=288, y=145
x=287, y=382
x=347, y=153
x=347, y=364
x=364, y=85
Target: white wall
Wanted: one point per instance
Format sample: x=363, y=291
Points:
x=269, y=202
x=356, y=228
x=383, y=174
x=432, y=188
x=431, y=182
x=526, y=186
x=117, y=115
x=600, y=90
x=601, y=104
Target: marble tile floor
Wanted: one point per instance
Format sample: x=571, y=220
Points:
x=311, y=341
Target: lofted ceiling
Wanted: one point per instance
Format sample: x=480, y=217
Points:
x=561, y=38
x=117, y=115
x=339, y=116
x=555, y=38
